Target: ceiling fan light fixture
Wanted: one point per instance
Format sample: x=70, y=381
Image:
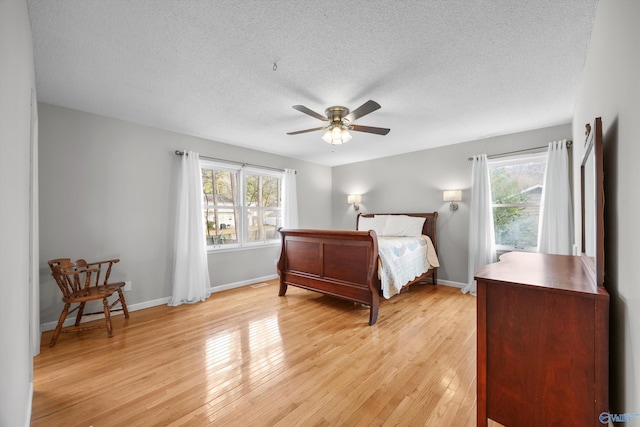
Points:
x=336, y=135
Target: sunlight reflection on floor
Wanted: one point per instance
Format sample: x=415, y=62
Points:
x=257, y=343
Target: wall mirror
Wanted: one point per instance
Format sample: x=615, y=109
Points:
x=592, y=201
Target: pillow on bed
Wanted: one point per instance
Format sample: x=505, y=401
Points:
x=403, y=226
x=375, y=223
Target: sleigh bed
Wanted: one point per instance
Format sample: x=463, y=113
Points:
x=362, y=265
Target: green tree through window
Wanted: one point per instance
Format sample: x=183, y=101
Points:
x=516, y=191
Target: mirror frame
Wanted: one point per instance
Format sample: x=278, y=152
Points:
x=593, y=146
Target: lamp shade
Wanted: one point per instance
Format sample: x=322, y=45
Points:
x=452, y=195
x=336, y=135
x=353, y=198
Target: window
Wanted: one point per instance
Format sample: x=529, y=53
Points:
x=516, y=192
x=242, y=205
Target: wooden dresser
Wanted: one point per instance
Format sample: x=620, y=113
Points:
x=543, y=342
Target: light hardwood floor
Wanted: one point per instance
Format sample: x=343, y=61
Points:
x=247, y=357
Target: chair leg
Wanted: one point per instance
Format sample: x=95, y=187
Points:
x=107, y=316
x=79, y=315
x=124, y=304
x=56, y=332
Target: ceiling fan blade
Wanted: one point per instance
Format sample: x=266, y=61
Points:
x=305, y=131
x=312, y=113
x=369, y=129
x=364, y=109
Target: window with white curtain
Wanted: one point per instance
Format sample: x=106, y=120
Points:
x=242, y=204
x=516, y=191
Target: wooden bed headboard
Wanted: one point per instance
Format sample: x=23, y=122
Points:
x=428, y=228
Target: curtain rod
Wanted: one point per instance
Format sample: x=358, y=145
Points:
x=493, y=156
x=181, y=153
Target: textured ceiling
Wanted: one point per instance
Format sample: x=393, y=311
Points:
x=444, y=71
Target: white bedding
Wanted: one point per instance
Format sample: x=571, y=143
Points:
x=402, y=259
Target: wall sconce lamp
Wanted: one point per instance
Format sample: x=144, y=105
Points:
x=354, y=199
x=452, y=196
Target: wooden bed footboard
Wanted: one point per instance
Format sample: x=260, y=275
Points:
x=342, y=264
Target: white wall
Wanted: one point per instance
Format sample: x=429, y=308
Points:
x=17, y=81
x=414, y=182
x=611, y=89
x=108, y=189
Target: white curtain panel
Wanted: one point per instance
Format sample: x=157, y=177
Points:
x=482, y=247
x=191, y=272
x=290, y=200
x=555, y=234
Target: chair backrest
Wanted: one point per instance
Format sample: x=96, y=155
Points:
x=98, y=265
x=59, y=261
x=71, y=279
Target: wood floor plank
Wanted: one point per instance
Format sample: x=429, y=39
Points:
x=249, y=357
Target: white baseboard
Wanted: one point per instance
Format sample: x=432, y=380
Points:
x=50, y=326
x=452, y=284
x=221, y=288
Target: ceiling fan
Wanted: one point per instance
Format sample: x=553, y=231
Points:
x=340, y=122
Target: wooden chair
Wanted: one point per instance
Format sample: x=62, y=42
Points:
x=80, y=282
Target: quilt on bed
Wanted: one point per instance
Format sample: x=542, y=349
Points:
x=402, y=259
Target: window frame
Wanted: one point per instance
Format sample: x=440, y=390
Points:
x=256, y=170
x=242, y=232
x=514, y=160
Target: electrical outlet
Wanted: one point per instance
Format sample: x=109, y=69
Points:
x=127, y=285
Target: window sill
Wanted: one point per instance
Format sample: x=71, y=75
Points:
x=215, y=250
x=501, y=250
